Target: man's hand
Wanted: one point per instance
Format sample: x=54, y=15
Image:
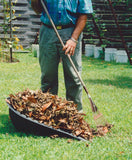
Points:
x=69, y=47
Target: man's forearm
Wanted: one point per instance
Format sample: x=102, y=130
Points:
x=81, y=22
x=71, y=43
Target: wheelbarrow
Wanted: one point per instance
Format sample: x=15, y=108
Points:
x=30, y=126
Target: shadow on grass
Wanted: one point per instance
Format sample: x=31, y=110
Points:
x=101, y=64
x=119, y=82
x=7, y=128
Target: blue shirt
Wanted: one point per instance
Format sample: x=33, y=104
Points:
x=65, y=12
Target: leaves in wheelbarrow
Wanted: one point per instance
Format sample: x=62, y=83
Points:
x=53, y=111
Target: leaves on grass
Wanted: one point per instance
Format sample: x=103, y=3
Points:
x=69, y=140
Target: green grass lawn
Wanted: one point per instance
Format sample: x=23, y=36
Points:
x=110, y=86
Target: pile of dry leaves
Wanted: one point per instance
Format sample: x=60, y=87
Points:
x=54, y=111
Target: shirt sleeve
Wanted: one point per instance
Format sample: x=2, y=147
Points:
x=85, y=6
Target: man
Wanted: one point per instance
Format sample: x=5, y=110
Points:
x=70, y=17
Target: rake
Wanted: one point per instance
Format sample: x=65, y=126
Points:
x=98, y=117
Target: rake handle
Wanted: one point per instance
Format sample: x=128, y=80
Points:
x=93, y=106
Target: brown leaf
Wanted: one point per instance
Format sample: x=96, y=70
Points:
x=78, y=132
x=81, y=120
x=48, y=118
x=121, y=152
x=70, y=127
x=83, y=114
x=63, y=103
x=54, y=136
x=32, y=99
x=30, y=114
x=45, y=106
x=63, y=120
x=42, y=118
x=53, y=96
x=59, y=107
x=69, y=140
x=20, y=109
x=105, y=129
x=87, y=145
x=11, y=95
x=88, y=133
x=24, y=98
x=29, y=109
x=8, y=101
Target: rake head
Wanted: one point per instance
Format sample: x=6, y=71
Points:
x=99, y=119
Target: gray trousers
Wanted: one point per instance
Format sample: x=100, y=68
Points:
x=50, y=51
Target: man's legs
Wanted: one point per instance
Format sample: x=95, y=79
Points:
x=50, y=48
x=72, y=82
x=49, y=60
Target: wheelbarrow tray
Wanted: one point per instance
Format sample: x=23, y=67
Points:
x=27, y=125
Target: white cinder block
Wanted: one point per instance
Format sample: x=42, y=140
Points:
x=121, y=56
x=97, y=51
x=110, y=54
x=35, y=50
x=89, y=50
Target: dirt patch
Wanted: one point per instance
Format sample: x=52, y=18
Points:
x=6, y=58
